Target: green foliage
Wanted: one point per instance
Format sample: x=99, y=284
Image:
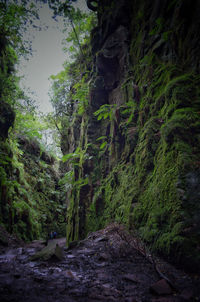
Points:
x=104, y=142
x=61, y=8
x=187, y=117
x=106, y=111
x=81, y=94
x=165, y=151
x=28, y=203
x=128, y=108
x=59, y=92
x=103, y=145
x=112, y=201
x=79, y=153
x=69, y=156
x=14, y=18
x=166, y=35
x=158, y=27
x=101, y=138
x=67, y=179
x=70, y=88
x=82, y=25
x=29, y=125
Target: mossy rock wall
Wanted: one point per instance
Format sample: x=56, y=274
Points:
x=146, y=68
x=30, y=202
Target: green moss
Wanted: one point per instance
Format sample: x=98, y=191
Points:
x=113, y=200
x=143, y=192
x=72, y=231
x=154, y=211
x=29, y=205
x=144, y=180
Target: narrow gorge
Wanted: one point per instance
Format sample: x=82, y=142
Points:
x=126, y=192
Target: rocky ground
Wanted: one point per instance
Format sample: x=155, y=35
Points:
x=110, y=265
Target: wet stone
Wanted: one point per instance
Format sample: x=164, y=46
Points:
x=87, y=273
x=99, y=239
x=131, y=277
x=161, y=288
x=103, y=257
x=70, y=256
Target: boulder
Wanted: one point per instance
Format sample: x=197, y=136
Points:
x=51, y=251
x=161, y=287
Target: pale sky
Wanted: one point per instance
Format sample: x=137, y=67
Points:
x=47, y=58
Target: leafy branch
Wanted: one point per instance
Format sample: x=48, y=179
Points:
x=106, y=111
x=104, y=143
x=128, y=108
x=81, y=94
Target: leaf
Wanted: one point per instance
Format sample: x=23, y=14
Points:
x=67, y=178
x=130, y=118
x=103, y=145
x=101, y=137
x=69, y=156
x=106, y=111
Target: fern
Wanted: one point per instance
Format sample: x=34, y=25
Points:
x=100, y=138
x=103, y=145
x=69, y=156
x=106, y=111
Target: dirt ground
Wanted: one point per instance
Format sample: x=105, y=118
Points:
x=110, y=265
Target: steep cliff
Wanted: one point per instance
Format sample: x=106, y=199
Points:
x=31, y=204
x=136, y=145
x=31, y=200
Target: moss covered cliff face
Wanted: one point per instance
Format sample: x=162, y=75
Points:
x=139, y=142
x=30, y=204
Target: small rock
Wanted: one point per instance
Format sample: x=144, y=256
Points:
x=103, y=257
x=107, y=290
x=131, y=277
x=85, y=252
x=161, y=288
x=70, y=256
x=20, y=251
x=72, y=275
x=100, y=264
x=98, y=239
